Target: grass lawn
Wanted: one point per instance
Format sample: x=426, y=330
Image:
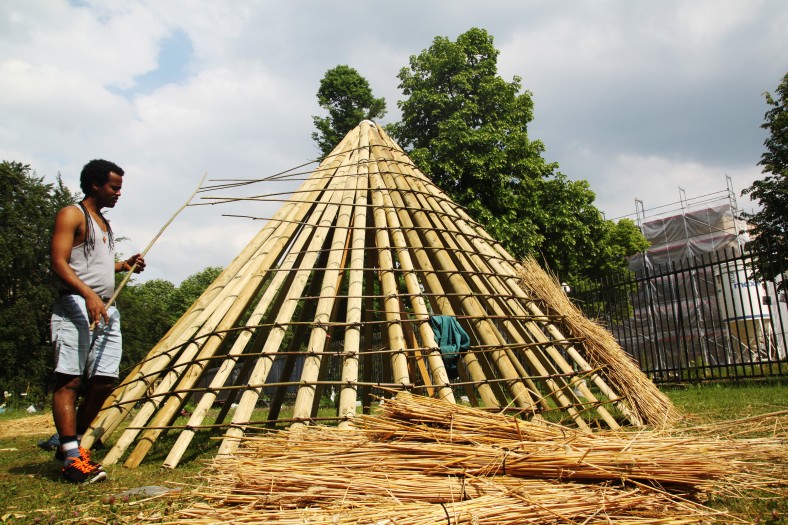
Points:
x=32, y=491
x=723, y=401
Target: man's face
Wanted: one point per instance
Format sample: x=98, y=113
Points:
x=108, y=194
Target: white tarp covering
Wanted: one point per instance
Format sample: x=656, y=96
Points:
x=691, y=234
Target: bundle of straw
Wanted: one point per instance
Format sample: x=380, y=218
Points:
x=698, y=457
x=635, y=507
x=600, y=348
x=428, y=461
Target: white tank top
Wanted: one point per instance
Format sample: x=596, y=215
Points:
x=97, y=268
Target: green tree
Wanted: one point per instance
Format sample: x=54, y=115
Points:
x=147, y=314
x=770, y=225
x=622, y=239
x=467, y=128
x=347, y=97
x=27, y=290
x=192, y=288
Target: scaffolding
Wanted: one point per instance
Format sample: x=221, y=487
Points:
x=685, y=298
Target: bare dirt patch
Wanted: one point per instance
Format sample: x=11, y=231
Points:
x=38, y=425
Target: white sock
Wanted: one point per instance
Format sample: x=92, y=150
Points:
x=70, y=450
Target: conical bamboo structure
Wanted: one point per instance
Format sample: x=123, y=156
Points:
x=330, y=304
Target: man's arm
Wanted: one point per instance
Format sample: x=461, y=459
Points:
x=67, y=223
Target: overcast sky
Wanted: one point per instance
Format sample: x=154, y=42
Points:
x=639, y=98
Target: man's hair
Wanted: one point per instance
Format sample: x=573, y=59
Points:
x=97, y=171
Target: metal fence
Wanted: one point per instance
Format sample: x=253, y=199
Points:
x=704, y=318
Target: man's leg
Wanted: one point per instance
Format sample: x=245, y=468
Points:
x=71, y=337
x=102, y=366
x=99, y=389
x=64, y=412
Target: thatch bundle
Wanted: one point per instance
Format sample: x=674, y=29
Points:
x=425, y=461
x=599, y=348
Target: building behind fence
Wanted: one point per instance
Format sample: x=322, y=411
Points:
x=690, y=309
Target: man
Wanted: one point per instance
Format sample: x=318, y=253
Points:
x=83, y=259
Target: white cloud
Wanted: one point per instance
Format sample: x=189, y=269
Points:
x=657, y=182
x=637, y=98
x=109, y=49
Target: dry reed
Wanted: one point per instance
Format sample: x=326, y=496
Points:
x=427, y=461
x=600, y=348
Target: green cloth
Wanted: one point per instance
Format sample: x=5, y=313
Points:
x=451, y=339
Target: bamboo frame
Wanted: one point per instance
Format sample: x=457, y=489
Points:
x=367, y=221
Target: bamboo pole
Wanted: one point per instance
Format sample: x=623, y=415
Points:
x=437, y=293
x=364, y=211
x=133, y=387
x=239, y=304
x=533, y=330
x=504, y=268
x=440, y=378
x=348, y=393
x=225, y=309
x=222, y=314
x=434, y=358
x=298, y=331
x=120, y=402
x=651, y=404
x=399, y=366
x=485, y=288
x=191, y=363
x=331, y=281
x=271, y=293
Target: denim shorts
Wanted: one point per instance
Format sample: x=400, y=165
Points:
x=78, y=351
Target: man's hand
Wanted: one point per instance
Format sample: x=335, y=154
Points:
x=131, y=261
x=96, y=308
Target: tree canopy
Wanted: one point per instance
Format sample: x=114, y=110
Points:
x=467, y=128
x=347, y=97
x=27, y=290
x=770, y=224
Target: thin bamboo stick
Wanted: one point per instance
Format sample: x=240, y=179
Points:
x=228, y=364
x=228, y=306
x=133, y=387
x=147, y=248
